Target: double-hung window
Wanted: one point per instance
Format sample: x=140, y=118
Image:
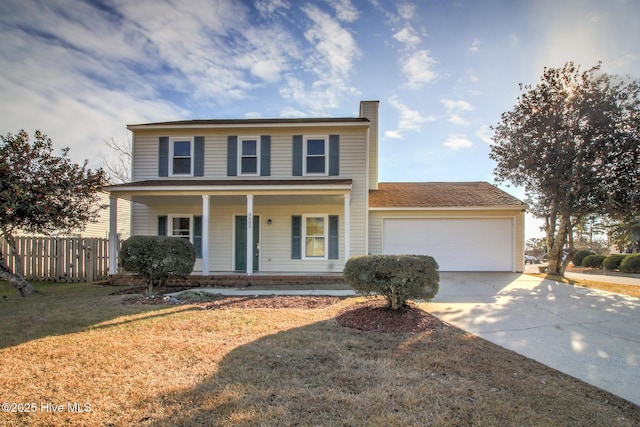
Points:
x=248, y=150
x=316, y=157
x=188, y=227
x=315, y=236
x=181, y=156
x=180, y=226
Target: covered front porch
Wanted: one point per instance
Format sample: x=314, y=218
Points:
x=247, y=227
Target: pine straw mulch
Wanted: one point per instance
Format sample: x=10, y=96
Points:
x=369, y=315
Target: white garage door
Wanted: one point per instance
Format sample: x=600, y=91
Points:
x=456, y=244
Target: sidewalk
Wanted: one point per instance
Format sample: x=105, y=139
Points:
x=617, y=278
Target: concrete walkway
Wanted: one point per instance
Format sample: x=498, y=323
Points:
x=239, y=292
x=588, y=334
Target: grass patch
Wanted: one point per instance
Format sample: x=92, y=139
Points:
x=182, y=365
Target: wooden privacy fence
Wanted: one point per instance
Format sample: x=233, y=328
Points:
x=60, y=259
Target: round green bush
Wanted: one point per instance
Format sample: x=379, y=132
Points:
x=612, y=262
x=630, y=264
x=157, y=258
x=593, y=261
x=577, y=260
x=396, y=277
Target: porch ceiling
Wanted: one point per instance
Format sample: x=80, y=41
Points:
x=218, y=199
x=185, y=190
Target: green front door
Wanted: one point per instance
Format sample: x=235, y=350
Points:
x=241, y=243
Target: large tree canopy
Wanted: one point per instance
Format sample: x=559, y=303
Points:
x=573, y=143
x=42, y=193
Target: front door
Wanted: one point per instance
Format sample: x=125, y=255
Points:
x=241, y=243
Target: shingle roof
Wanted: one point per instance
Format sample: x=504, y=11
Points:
x=439, y=195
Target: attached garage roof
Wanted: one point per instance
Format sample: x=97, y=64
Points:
x=440, y=195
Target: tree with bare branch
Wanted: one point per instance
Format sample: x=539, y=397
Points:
x=42, y=193
x=573, y=143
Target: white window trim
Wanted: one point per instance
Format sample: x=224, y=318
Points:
x=170, y=219
x=240, y=140
x=326, y=237
x=172, y=140
x=326, y=155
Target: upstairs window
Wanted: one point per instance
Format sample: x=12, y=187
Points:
x=181, y=152
x=315, y=155
x=248, y=156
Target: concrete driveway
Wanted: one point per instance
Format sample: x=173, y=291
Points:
x=591, y=335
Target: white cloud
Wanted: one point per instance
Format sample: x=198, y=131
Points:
x=345, y=11
x=408, y=36
x=472, y=77
x=410, y=120
x=451, y=105
x=456, y=119
x=407, y=10
x=393, y=134
x=485, y=134
x=270, y=7
x=330, y=62
x=456, y=142
x=475, y=46
x=418, y=68
x=335, y=47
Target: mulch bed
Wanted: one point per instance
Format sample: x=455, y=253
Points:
x=373, y=315
x=370, y=315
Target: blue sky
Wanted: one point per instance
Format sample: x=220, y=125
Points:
x=443, y=71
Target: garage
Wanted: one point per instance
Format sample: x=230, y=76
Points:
x=465, y=244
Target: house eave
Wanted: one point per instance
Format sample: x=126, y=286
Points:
x=249, y=125
x=452, y=208
x=232, y=188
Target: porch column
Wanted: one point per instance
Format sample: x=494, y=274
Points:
x=205, y=234
x=113, y=234
x=347, y=226
x=249, y=234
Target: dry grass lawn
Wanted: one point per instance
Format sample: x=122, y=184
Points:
x=186, y=366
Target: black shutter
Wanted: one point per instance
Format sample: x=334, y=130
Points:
x=334, y=248
x=297, y=155
x=198, y=161
x=265, y=155
x=197, y=235
x=232, y=156
x=334, y=155
x=163, y=156
x=296, y=237
x=162, y=225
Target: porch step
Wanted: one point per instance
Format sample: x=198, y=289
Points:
x=232, y=280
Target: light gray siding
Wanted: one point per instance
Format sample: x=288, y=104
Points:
x=275, y=238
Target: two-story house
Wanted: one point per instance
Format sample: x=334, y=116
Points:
x=285, y=196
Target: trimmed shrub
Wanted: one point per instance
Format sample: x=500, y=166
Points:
x=577, y=260
x=396, y=277
x=630, y=264
x=612, y=262
x=593, y=261
x=157, y=258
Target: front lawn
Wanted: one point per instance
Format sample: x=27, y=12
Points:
x=76, y=347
